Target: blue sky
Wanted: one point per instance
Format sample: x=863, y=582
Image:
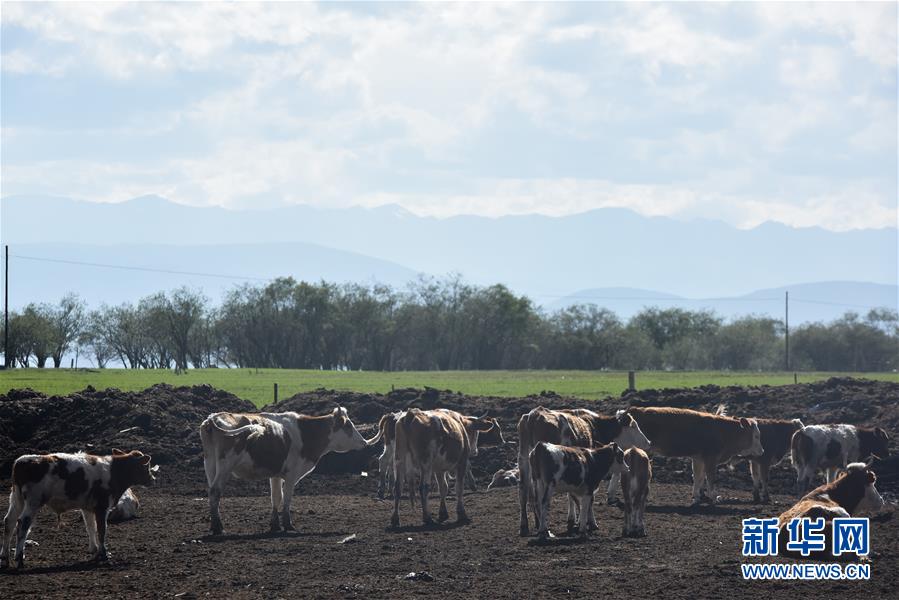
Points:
x=744, y=112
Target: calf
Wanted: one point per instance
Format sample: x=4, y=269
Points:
x=578, y=427
x=849, y=494
x=707, y=439
x=433, y=443
x=91, y=484
x=831, y=447
x=126, y=508
x=635, y=487
x=575, y=470
x=776, y=438
x=504, y=478
x=280, y=447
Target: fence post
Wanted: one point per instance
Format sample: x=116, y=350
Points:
x=795, y=378
x=631, y=381
x=276, y=393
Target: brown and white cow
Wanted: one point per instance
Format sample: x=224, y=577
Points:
x=435, y=443
x=576, y=427
x=635, y=488
x=504, y=478
x=776, y=437
x=280, y=447
x=387, y=433
x=91, y=484
x=127, y=508
x=707, y=439
x=571, y=469
x=849, y=494
x=832, y=447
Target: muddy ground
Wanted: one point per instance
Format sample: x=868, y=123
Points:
x=167, y=553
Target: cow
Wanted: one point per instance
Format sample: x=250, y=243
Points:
x=707, y=439
x=575, y=470
x=776, y=438
x=851, y=493
x=387, y=433
x=127, y=508
x=435, y=442
x=281, y=447
x=504, y=478
x=576, y=427
x=85, y=482
x=635, y=488
x=831, y=447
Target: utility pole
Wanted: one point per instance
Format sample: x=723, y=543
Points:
x=787, y=330
x=6, y=309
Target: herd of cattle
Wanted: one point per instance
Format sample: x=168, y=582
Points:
x=566, y=451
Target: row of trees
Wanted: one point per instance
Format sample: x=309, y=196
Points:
x=434, y=324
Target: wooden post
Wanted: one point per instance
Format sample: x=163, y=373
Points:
x=795, y=378
x=631, y=381
x=276, y=393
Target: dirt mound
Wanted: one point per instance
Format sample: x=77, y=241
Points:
x=161, y=420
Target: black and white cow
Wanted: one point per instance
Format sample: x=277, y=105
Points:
x=833, y=447
x=91, y=484
x=280, y=447
x=575, y=470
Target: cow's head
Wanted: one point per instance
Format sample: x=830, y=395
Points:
x=619, y=465
x=631, y=436
x=862, y=479
x=475, y=426
x=755, y=446
x=344, y=435
x=880, y=443
x=133, y=468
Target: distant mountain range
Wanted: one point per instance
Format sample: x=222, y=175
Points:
x=548, y=258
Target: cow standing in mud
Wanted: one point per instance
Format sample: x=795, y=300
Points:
x=707, y=439
x=832, y=447
x=635, y=489
x=280, y=447
x=91, y=484
x=577, y=427
x=435, y=443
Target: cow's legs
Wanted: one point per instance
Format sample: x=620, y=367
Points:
x=90, y=524
x=461, y=469
x=399, y=476
x=424, y=487
x=443, y=487
x=586, y=500
x=573, y=509
x=639, y=524
x=628, y=510
x=614, y=482
x=383, y=474
x=711, y=468
x=100, y=516
x=544, y=500
x=290, y=483
x=26, y=518
x=764, y=473
x=470, y=480
x=525, y=485
x=755, y=469
x=698, y=479
x=277, y=492
x=222, y=476
x=10, y=524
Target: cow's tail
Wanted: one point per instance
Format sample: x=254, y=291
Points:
x=246, y=429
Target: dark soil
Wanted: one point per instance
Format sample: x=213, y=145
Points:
x=688, y=553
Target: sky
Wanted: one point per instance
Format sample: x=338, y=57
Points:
x=738, y=112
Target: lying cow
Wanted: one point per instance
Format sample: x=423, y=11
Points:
x=635, y=488
x=578, y=427
x=434, y=443
x=91, y=484
x=504, y=478
x=127, y=508
x=832, y=447
x=575, y=470
x=707, y=439
x=387, y=433
x=776, y=437
x=847, y=495
x=280, y=447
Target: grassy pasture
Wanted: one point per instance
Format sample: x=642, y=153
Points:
x=257, y=386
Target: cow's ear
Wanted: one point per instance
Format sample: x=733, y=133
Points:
x=117, y=452
x=881, y=433
x=744, y=422
x=623, y=417
x=870, y=477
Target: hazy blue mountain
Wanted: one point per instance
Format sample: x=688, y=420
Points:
x=545, y=257
x=820, y=301
x=36, y=280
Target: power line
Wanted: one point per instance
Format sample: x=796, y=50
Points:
x=145, y=269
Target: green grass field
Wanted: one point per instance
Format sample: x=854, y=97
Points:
x=258, y=386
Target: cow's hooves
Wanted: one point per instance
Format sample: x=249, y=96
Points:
x=443, y=516
x=592, y=527
x=571, y=527
x=463, y=520
x=523, y=532
x=20, y=563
